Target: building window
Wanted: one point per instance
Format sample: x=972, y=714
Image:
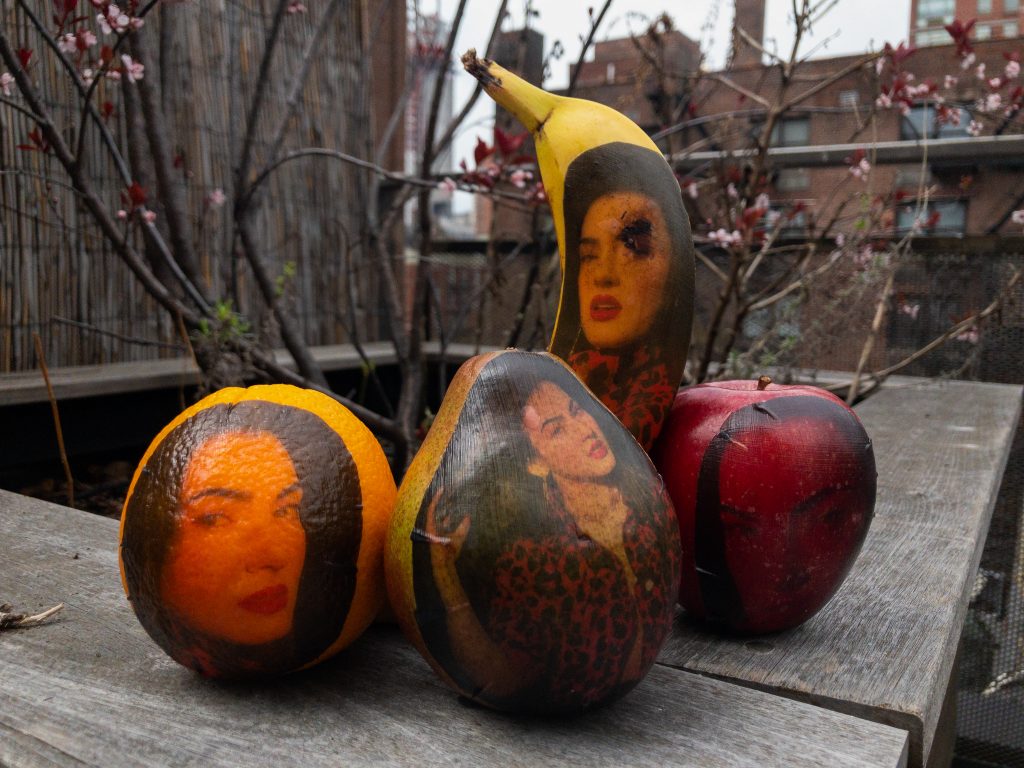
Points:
x=610, y=72
x=1010, y=29
x=984, y=6
x=936, y=9
x=932, y=37
x=983, y=32
x=921, y=123
x=913, y=177
x=952, y=217
x=794, y=132
x=849, y=98
x=792, y=179
x=1011, y=6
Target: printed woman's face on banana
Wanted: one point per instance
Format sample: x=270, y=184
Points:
x=625, y=255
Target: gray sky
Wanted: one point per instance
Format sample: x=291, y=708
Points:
x=852, y=26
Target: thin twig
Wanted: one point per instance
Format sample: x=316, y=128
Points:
x=11, y=620
x=869, y=343
x=586, y=46
x=119, y=336
x=56, y=419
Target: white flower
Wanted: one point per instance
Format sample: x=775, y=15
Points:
x=995, y=82
x=132, y=69
x=692, y=190
x=861, y=169
x=122, y=214
x=840, y=240
x=879, y=65
x=970, y=335
x=1012, y=69
x=884, y=101
x=6, y=81
x=149, y=216
x=910, y=310
x=974, y=129
x=731, y=191
x=980, y=71
x=993, y=101
x=763, y=202
x=87, y=76
x=1017, y=217
x=950, y=82
x=968, y=61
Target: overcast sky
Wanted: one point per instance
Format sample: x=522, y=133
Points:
x=852, y=26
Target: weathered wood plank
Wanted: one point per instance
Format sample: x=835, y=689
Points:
x=884, y=647
x=90, y=687
x=114, y=378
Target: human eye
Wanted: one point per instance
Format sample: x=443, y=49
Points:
x=211, y=519
x=287, y=511
x=637, y=236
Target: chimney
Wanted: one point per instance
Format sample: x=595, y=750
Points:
x=750, y=18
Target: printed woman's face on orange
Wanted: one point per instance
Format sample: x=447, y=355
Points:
x=565, y=438
x=625, y=254
x=236, y=558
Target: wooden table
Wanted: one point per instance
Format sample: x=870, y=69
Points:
x=862, y=684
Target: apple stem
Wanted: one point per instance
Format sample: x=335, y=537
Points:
x=763, y=382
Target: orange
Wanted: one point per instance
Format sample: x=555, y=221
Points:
x=253, y=531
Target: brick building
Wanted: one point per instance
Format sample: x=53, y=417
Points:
x=996, y=19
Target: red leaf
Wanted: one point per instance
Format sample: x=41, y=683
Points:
x=482, y=151
x=136, y=194
x=24, y=55
x=106, y=54
x=508, y=144
x=107, y=109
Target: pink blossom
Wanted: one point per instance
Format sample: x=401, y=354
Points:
x=974, y=129
x=861, y=169
x=879, y=65
x=217, y=198
x=1017, y=217
x=732, y=191
x=113, y=20
x=950, y=82
x=910, y=310
x=884, y=101
x=68, y=43
x=149, y=216
x=6, y=81
x=840, y=240
x=693, y=190
x=968, y=61
x=520, y=178
x=980, y=71
x=87, y=39
x=725, y=238
x=970, y=335
x=122, y=214
x=995, y=82
x=133, y=70
x=993, y=101
x=296, y=7
x=87, y=76
x=763, y=202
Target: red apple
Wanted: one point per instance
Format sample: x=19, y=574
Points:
x=774, y=487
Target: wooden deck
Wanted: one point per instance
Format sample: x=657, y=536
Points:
x=861, y=684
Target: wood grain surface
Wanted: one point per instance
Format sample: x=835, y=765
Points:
x=884, y=647
x=89, y=687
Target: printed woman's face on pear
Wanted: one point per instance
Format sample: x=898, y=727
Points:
x=235, y=561
x=566, y=439
x=625, y=255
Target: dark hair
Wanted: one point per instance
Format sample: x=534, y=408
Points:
x=621, y=167
x=330, y=513
x=718, y=591
x=484, y=469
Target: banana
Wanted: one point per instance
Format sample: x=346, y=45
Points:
x=626, y=302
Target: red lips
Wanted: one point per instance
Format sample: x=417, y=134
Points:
x=598, y=450
x=604, y=308
x=266, y=601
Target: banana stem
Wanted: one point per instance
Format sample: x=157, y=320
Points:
x=530, y=105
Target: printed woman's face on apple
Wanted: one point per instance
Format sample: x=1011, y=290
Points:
x=625, y=254
x=793, y=506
